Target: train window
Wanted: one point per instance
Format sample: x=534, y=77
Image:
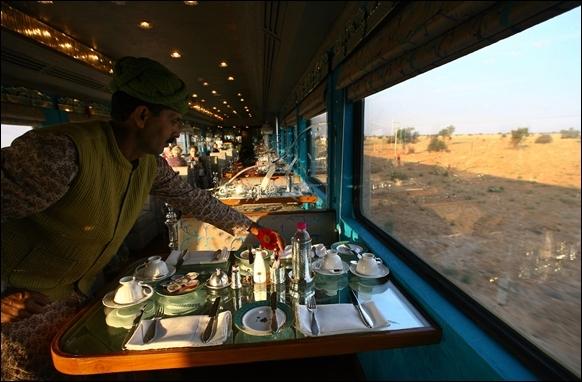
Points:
x=475, y=166
x=11, y=132
x=318, y=149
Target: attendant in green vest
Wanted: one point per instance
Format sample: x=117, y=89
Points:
x=70, y=195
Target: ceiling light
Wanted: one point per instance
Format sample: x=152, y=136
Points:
x=224, y=102
x=194, y=95
x=223, y=64
x=228, y=106
x=239, y=94
x=234, y=111
x=175, y=54
x=230, y=78
x=214, y=92
x=214, y=107
x=205, y=83
x=191, y=2
x=145, y=25
x=202, y=100
x=242, y=99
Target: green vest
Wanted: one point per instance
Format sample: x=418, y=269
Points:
x=69, y=243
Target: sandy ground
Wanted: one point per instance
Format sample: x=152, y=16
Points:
x=502, y=223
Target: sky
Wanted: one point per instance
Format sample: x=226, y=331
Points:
x=531, y=79
x=10, y=132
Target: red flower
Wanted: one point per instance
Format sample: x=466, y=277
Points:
x=267, y=238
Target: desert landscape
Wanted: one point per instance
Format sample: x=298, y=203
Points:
x=501, y=221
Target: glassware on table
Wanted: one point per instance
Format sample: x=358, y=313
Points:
x=301, y=255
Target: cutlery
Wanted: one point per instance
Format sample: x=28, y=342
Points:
x=311, y=307
x=181, y=259
x=134, y=326
x=152, y=330
x=363, y=315
x=274, y=324
x=212, y=323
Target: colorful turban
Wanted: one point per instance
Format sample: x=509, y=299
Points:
x=151, y=82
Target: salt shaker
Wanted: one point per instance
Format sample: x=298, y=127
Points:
x=235, y=281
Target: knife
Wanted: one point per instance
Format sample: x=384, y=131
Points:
x=211, y=326
x=134, y=326
x=363, y=315
x=274, y=324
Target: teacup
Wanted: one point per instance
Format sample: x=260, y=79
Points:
x=368, y=264
x=153, y=268
x=332, y=262
x=319, y=249
x=130, y=291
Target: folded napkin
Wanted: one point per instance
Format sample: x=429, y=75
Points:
x=339, y=319
x=198, y=257
x=184, y=331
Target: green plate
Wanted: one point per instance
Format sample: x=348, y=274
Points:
x=255, y=319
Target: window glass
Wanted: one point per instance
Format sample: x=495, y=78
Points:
x=11, y=132
x=318, y=148
x=475, y=167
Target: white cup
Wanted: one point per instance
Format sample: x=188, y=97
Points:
x=368, y=264
x=318, y=249
x=154, y=267
x=129, y=291
x=332, y=261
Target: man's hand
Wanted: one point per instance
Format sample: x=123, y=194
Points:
x=268, y=238
x=22, y=304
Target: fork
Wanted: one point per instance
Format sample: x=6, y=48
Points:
x=312, y=307
x=151, y=333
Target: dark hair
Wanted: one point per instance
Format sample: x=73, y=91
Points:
x=122, y=105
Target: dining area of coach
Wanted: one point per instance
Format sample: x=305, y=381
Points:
x=239, y=303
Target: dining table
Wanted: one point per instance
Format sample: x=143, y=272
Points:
x=104, y=339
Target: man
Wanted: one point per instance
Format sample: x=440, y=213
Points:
x=70, y=195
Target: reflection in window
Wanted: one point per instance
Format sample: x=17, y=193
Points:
x=318, y=148
x=478, y=164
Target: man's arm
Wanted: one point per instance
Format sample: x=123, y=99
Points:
x=204, y=206
x=36, y=172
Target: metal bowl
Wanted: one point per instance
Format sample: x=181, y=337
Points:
x=218, y=280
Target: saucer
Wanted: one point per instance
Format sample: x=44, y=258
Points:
x=124, y=317
x=255, y=319
x=340, y=247
x=141, y=277
x=383, y=272
x=108, y=299
x=184, y=283
x=317, y=267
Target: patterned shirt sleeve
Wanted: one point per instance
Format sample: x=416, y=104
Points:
x=195, y=201
x=36, y=172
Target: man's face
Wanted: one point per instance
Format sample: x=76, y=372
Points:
x=160, y=130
